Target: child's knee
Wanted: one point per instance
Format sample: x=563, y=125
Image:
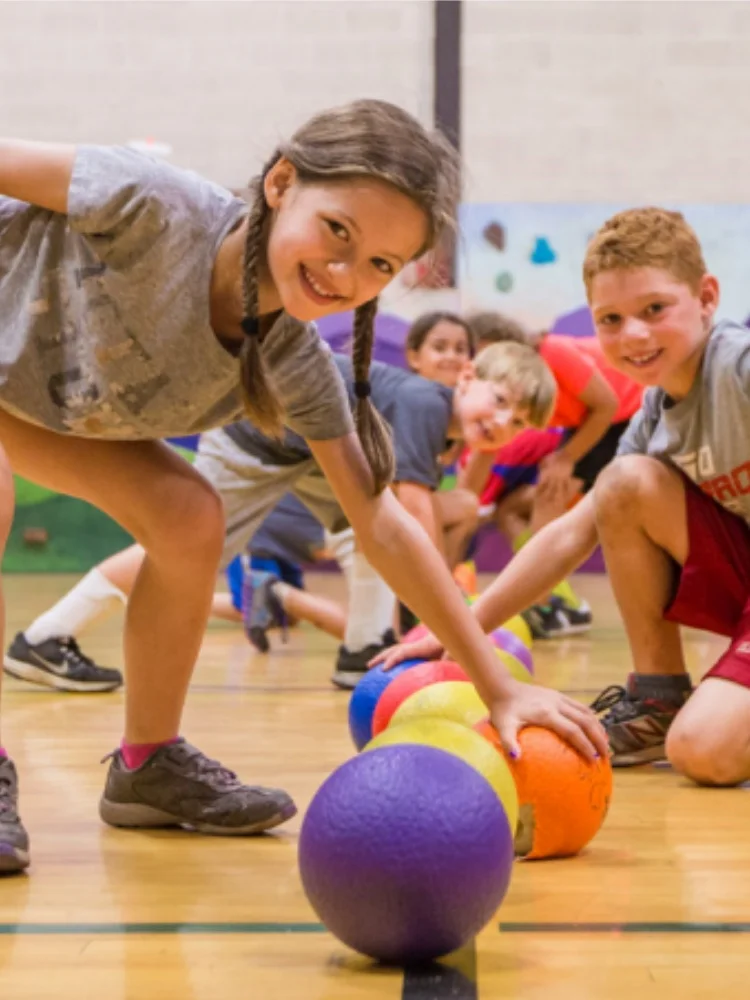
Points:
x=468, y=505
x=699, y=750
x=190, y=525
x=625, y=486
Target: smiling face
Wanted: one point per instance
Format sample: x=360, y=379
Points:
x=651, y=326
x=490, y=413
x=333, y=246
x=442, y=354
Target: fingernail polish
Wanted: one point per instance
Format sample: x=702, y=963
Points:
x=513, y=754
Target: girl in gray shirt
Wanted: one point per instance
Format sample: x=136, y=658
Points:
x=139, y=301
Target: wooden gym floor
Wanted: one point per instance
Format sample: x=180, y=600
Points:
x=659, y=905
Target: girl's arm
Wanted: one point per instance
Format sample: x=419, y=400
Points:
x=399, y=550
x=37, y=172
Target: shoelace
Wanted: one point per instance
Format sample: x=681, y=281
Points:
x=72, y=654
x=212, y=769
x=616, y=699
x=6, y=795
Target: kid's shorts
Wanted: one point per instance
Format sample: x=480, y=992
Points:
x=713, y=587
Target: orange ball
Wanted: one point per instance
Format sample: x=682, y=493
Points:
x=563, y=798
x=408, y=683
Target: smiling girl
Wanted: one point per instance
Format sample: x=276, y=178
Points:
x=140, y=302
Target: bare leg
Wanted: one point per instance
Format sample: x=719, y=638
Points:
x=223, y=608
x=165, y=504
x=513, y=515
x=320, y=611
x=709, y=741
x=642, y=522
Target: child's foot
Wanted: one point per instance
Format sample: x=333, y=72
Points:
x=638, y=716
x=180, y=786
x=578, y=617
x=546, y=621
x=58, y=663
x=351, y=665
x=262, y=610
x=14, y=841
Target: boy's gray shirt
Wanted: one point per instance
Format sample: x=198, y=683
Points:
x=706, y=434
x=105, y=311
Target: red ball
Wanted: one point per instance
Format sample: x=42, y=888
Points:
x=432, y=672
x=415, y=634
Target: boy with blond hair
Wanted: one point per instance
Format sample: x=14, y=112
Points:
x=672, y=512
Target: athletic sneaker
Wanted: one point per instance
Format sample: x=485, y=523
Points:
x=578, y=618
x=638, y=717
x=180, y=786
x=351, y=665
x=262, y=610
x=547, y=621
x=58, y=663
x=14, y=841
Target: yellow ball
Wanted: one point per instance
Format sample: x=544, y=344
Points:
x=519, y=628
x=456, y=701
x=515, y=667
x=465, y=743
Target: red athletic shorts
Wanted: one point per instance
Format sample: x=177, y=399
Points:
x=713, y=589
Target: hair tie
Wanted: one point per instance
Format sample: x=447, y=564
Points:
x=362, y=389
x=250, y=325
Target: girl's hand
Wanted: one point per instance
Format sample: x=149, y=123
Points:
x=428, y=648
x=530, y=704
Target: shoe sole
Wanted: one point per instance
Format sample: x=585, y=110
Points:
x=649, y=755
x=132, y=815
x=346, y=681
x=45, y=678
x=12, y=859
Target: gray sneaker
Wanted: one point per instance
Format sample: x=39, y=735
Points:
x=180, y=786
x=14, y=841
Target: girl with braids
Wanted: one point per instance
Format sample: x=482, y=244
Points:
x=128, y=291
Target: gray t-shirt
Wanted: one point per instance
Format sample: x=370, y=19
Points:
x=105, y=311
x=706, y=434
x=418, y=411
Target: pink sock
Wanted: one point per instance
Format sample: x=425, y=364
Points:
x=136, y=754
x=3, y=752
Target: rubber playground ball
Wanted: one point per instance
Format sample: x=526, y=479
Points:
x=405, y=853
x=563, y=798
x=422, y=676
x=365, y=697
x=519, y=628
x=456, y=701
x=464, y=743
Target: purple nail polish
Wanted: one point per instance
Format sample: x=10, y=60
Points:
x=513, y=754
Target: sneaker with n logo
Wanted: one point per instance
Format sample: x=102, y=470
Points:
x=58, y=663
x=637, y=717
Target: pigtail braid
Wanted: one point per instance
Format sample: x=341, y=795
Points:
x=261, y=405
x=372, y=429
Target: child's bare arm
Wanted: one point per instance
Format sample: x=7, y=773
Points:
x=418, y=501
x=37, y=172
x=543, y=562
x=475, y=473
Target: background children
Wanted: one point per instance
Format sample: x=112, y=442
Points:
x=536, y=478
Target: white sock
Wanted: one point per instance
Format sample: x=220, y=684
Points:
x=92, y=597
x=342, y=546
x=371, y=606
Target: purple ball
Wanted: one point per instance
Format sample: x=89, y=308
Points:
x=405, y=853
x=503, y=638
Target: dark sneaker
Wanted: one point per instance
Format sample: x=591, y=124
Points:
x=262, y=610
x=638, y=717
x=578, y=619
x=58, y=663
x=180, y=786
x=547, y=621
x=407, y=620
x=14, y=841
x=351, y=665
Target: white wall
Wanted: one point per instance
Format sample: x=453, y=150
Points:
x=607, y=100
x=220, y=82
